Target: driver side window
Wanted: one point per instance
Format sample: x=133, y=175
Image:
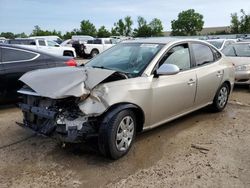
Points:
x=179, y=56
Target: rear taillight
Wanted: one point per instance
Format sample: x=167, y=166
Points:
x=71, y=63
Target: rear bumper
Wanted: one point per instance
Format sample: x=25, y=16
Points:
x=242, y=77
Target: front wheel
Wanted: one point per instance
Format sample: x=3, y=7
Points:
x=117, y=135
x=221, y=98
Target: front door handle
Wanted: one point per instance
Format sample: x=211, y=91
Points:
x=191, y=82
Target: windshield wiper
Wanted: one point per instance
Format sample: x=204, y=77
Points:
x=235, y=52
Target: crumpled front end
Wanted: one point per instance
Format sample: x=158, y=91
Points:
x=59, y=104
x=60, y=118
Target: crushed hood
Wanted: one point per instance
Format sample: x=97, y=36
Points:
x=63, y=82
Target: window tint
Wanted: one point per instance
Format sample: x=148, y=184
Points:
x=107, y=41
x=97, y=41
x=215, y=43
x=41, y=43
x=16, y=55
x=202, y=54
x=22, y=42
x=52, y=43
x=179, y=56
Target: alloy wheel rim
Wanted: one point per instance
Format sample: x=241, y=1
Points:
x=125, y=133
x=222, y=98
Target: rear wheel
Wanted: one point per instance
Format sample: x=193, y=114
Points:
x=221, y=98
x=117, y=135
x=94, y=53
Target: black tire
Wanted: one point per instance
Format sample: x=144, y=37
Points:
x=94, y=53
x=108, y=132
x=221, y=98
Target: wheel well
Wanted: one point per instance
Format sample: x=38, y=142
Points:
x=139, y=114
x=94, y=50
x=228, y=84
x=68, y=53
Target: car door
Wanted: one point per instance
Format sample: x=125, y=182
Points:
x=209, y=72
x=16, y=62
x=51, y=47
x=174, y=94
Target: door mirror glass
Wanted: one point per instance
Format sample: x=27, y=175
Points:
x=168, y=69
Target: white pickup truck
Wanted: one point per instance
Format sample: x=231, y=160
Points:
x=44, y=45
x=98, y=45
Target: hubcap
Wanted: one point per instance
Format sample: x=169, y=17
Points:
x=125, y=133
x=222, y=98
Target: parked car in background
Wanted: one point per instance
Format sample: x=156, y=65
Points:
x=16, y=60
x=82, y=38
x=98, y=45
x=67, y=42
x=54, y=38
x=220, y=44
x=2, y=40
x=239, y=54
x=78, y=42
x=44, y=45
x=131, y=87
x=245, y=39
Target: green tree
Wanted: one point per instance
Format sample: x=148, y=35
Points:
x=123, y=27
x=103, y=32
x=240, y=24
x=143, y=29
x=188, y=23
x=87, y=28
x=156, y=27
x=8, y=35
x=37, y=31
x=128, y=26
x=21, y=35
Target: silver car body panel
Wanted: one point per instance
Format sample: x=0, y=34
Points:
x=161, y=99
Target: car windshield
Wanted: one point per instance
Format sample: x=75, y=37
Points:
x=129, y=58
x=240, y=50
x=215, y=43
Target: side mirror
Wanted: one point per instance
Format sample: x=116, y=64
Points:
x=57, y=45
x=168, y=69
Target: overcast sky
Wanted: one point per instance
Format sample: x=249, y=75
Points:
x=64, y=15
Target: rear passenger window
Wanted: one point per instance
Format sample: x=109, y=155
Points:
x=41, y=43
x=107, y=41
x=9, y=54
x=202, y=54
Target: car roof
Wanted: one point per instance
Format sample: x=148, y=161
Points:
x=162, y=40
x=29, y=49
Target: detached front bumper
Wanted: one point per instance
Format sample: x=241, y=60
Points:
x=45, y=123
x=242, y=77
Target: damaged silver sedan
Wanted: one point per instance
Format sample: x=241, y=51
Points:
x=133, y=86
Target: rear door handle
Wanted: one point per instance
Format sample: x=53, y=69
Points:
x=191, y=82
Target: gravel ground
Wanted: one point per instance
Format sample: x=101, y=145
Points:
x=202, y=149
